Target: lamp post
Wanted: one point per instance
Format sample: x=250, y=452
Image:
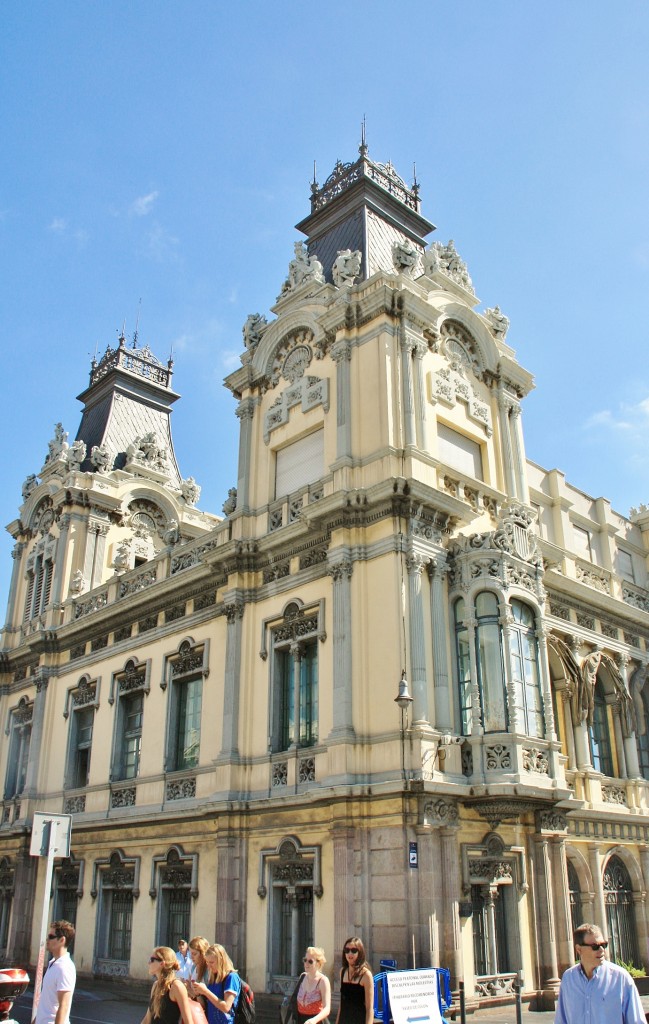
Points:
x=404, y=700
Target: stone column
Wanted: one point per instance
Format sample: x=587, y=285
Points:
x=546, y=685
x=228, y=883
x=61, y=558
x=20, y=929
x=490, y=897
x=415, y=564
x=431, y=901
x=420, y=348
x=561, y=888
x=344, y=840
x=245, y=411
x=296, y=653
x=437, y=569
x=407, y=396
x=477, y=728
x=518, y=446
x=504, y=406
x=341, y=353
x=570, y=731
x=14, y=614
x=505, y=618
x=642, y=922
x=595, y=862
x=545, y=914
x=99, y=556
x=38, y=720
x=452, y=892
x=232, y=680
x=630, y=742
x=619, y=742
x=341, y=574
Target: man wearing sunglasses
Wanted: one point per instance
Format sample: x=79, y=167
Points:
x=59, y=978
x=595, y=991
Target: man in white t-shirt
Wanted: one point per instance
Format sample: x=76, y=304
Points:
x=59, y=978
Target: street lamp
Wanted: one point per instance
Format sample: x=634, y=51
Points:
x=404, y=700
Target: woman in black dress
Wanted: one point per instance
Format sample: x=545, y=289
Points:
x=169, y=1002
x=356, y=986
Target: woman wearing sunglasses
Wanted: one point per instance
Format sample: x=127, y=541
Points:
x=169, y=1001
x=222, y=988
x=313, y=994
x=356, y=986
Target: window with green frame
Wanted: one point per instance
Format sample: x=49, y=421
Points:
x=296, y=695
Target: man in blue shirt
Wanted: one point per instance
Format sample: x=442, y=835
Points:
x=595, y=991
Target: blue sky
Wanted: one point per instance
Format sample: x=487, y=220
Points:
x=162, y=151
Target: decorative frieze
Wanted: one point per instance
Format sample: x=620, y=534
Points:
x=498, y=756
x=279, y=775
x=93, y=604
x=124, y=797
x=535, y=760
x=614, y=795
x=183, y=789
x=306, y=769
x=74, y=804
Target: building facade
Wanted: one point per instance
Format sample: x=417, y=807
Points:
x=213, y=698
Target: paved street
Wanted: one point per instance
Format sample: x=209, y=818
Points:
x=112, y=1003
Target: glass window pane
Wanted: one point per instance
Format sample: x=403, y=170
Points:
x=189, y=723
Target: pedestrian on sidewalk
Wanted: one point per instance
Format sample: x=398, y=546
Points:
x=60, y=977
x=595, y=991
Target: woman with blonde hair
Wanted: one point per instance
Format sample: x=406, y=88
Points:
x=313, y=995
x=199, y=970
x=223, y=987
x=356, y=986
x=169, y=1001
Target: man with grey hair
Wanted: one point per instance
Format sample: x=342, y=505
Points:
x=595, y=991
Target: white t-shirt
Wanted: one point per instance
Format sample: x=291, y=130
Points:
x=60, y=976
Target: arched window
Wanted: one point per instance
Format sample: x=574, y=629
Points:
x=524, y=662
x=620, y=913
x=574, y=890
x=600, y=739
x=463, y=664
x=490, y=663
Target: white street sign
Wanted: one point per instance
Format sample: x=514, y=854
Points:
x=413, y=997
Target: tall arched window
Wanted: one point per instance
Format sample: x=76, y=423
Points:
x=600, y=739
x=463, y=664
x=490, y=663
x=574, y=890
x=620, y=913
x=524, y=661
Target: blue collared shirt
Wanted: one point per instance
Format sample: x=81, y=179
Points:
x=609, y=997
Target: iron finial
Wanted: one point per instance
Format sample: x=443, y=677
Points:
x=362, y=149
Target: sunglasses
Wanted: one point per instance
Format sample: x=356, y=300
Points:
x=595, y=946
x=305, y=960
x=53, y=936
x=350, y=951
x=155, y=959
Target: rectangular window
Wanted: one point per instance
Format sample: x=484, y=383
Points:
x=188, y=727
x=80, y=746
x=299, y=464
x=120, y=910
x=582, y=542
x=625, y=565
x=19, y=743
x=459, y=452
x=129, y=736
x=296, y=684
x=175, y=915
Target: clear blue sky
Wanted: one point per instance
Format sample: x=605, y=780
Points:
x=162, y=150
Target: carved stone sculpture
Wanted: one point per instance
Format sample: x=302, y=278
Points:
x=585, y=703
x=230, y=502
x=147, y=449
x=190, y=490
x=404, y=256
x=172, y=533
x=30, y=483
x=499, y=322
x=77, y=583
x=100, y=458
x=58, y=444
x=637, y=683
x=252, y=330
x=445, y=258
x=302, y=269
x=346, y=268
x=122, y=560
x=75, y=455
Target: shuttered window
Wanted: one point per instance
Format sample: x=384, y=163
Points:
x=459, y=452
x=299, y=464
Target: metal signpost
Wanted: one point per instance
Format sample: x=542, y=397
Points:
x=50, y=838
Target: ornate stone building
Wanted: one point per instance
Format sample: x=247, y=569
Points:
x=213, y=699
